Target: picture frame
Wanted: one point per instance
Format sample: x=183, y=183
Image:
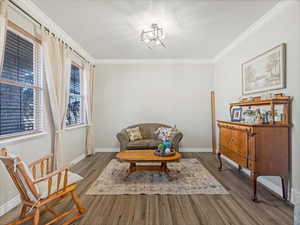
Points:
x=236, y=115
x=265, y=72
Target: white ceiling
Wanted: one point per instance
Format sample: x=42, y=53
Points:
x=195, y=29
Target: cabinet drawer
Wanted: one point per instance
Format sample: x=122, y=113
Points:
x=239, y=143
x=234, y=140
x=225, y=137
x=235, y=157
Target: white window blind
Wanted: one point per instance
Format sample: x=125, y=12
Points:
x=20, y=86
x=75, y=106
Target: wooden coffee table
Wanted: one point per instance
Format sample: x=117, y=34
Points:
x=147, y=156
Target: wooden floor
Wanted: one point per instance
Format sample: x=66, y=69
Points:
x=233, y=209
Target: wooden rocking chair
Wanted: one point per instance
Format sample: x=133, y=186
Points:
x=38, y=192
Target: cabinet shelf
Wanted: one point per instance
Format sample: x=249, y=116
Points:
x=275, y=124
x=279, y=99
x=260, y=102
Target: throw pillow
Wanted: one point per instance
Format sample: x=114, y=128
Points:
x=165, y=132
x=134, y=134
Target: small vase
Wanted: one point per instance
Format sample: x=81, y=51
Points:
x=167, y=143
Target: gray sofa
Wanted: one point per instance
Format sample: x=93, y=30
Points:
x=150, y=139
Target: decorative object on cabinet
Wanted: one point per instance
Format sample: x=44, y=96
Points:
x=236, y=114
x=265, y=72
x=263, y=147
x=249, y=116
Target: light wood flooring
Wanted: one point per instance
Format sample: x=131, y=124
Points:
x=234, y=209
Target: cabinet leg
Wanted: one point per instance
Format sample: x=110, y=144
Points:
x=254, y=186
x=220, y=161
x=284, y=181
x=240, y=168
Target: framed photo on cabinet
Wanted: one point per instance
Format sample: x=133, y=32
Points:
x=236, y=115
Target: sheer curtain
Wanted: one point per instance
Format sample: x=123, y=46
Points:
x=57, y=67
x=3, y=23
x=89, y=81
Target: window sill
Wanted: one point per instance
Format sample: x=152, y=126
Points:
x=75, y=127
x=20, y=138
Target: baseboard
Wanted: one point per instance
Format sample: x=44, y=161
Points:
x=78, y=159
x=9, y=205
x=270, y=185
x=296, y=197
x=297, y=207
x=107, y=150
x=195, y=150
x=180, y=150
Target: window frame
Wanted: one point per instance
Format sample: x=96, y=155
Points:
x=81, y=96
x=37, y=86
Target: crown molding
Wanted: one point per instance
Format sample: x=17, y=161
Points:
x=255, y=27
x=153, y=61
x=38, y=14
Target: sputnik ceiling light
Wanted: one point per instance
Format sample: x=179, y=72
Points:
x=154, y=36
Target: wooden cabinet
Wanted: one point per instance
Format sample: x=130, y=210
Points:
x=261, y=148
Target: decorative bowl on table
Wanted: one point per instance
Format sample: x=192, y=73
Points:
x=163, y=153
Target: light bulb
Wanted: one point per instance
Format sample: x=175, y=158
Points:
x=146, y=40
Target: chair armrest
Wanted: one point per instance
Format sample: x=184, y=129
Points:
x=40, y=160
x=176, y=138
x=56, y=172
x=59, y=173
x=44, y=164
x=123, y=139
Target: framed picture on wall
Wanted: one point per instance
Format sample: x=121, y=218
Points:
x=265, y=72
x=236, y=115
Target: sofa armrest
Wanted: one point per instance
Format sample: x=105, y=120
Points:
x=123, y=139
x=175, y=139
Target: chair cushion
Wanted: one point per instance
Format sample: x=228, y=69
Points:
x=43, y=186
x=23, y=180
x=134, y=134
x=144, y=144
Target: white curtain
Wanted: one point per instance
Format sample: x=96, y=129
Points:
x=89, y=81
x=3, y=24
x=57, y=66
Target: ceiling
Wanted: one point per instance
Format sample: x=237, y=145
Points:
x=195, y=29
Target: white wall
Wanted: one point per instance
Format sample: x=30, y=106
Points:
x=166, y=93
x=282, y=25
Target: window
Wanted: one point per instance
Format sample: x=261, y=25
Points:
x=20, y=86
x=75, y=106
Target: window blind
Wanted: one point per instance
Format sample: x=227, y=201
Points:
x=20, y=86
x=74, y=113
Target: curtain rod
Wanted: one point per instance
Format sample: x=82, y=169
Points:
x=46, y=28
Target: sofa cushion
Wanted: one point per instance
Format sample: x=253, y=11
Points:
x=134, y=134
x=149, y=131
x=144, y=144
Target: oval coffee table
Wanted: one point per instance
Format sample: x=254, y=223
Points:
x=147, y=156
